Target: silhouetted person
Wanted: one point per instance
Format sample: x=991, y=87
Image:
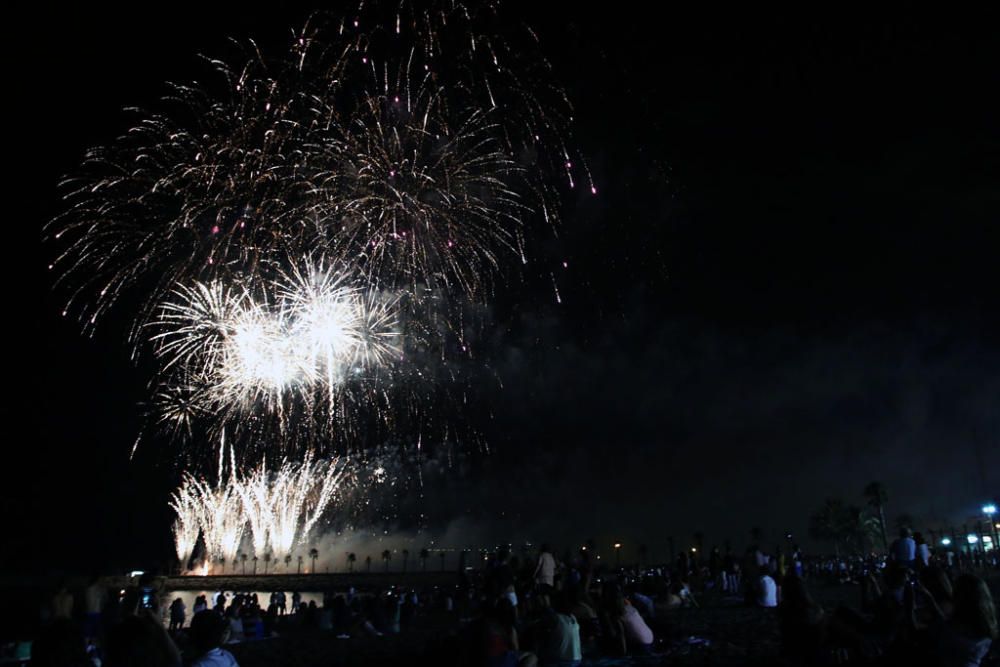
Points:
x=62, y=602
x=208, y=634
x=177, y=613
x=140, y=641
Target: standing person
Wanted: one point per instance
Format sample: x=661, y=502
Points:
x=94, y=598
x=904, y=549
x=923, y=551
x=62, y=602
x=200, y=604
x=177, y=613
x=728, y=573
x=545, y=570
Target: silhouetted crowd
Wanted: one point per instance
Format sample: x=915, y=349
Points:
x=914, y=608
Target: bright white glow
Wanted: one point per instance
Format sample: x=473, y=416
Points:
x=972, y=538
x=276, y=510
x=989, y=509
x=946, y=541
x=308, y=330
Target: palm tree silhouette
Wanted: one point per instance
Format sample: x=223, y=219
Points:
x=298, y=568
x=313, y=554
x=406, y=558
x=424, y=553
x=267, y=561
x=831, y=523
x=368, y=564
x=288, y=562
x=386, y=556
x=254, y=559
x=441, y=555
x=877, y=497
x=350, y=562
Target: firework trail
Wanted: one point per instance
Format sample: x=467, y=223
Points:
x=420, y=154
x=276, y=511
x=186, y=526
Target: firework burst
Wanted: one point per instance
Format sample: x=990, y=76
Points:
x=307, y=341
x=416, y=157
x=275, y=511
x=416, y=151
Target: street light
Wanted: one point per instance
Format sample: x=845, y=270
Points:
x=946, y=541
x=618, y=554
x=990, y=510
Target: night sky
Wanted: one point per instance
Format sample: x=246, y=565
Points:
x=786, y=288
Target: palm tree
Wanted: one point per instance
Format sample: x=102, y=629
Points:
x=267, y=561
x=441, y=555
x=871, y=529
x=406, y=558
x=841, y=524
x=368, y=564
x=298, y=568
x=386, y=556
x=254, y=559
x=313, y=554
x=350, y=562
x=877, y=497
x=288, y=562
x=243, y=559
x=424, y=554
x=222, y=562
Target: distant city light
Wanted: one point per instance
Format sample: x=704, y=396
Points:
x=990, y=509
x=618, y=545
x=972, y=538
x=946, y=541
